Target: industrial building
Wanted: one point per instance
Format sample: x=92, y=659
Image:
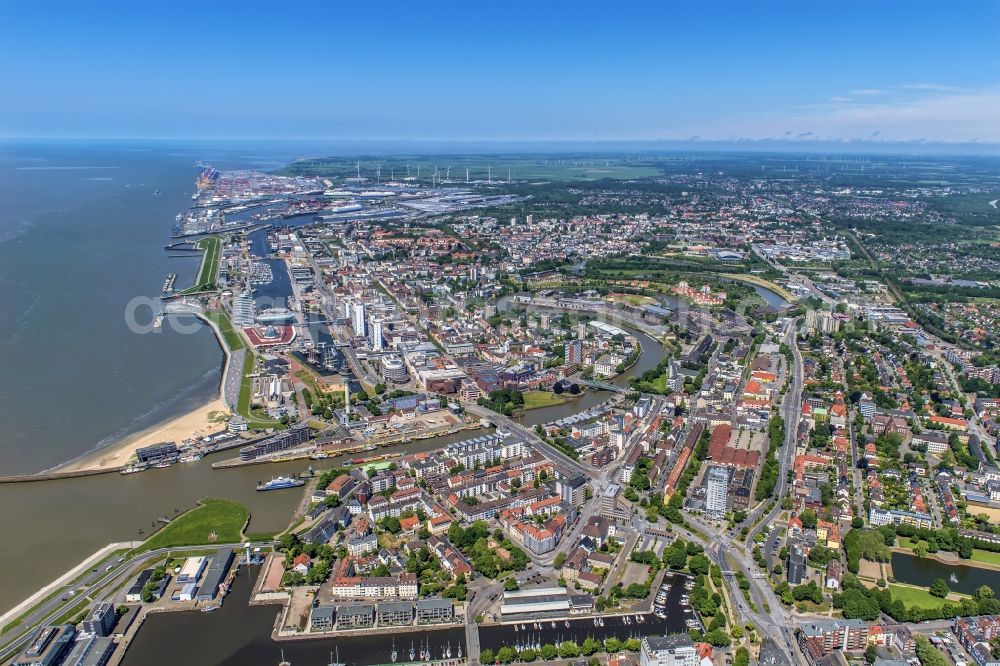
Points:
x=47, y=647
x=215, y=575
x=93, y=651
x=192, y=569
x=538, y=602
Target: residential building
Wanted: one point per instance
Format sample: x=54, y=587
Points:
x=673, y=650
x=717, y=491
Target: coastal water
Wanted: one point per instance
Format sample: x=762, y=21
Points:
x=81, y=236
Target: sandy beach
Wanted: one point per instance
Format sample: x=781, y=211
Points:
x=196, y=423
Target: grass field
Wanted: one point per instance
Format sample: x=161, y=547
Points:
x=212, y=521
x=229, y=334
x=761, y=282
x=536, y=399
x=914, y=597
x=985, y=556
x=212, y=246
x=631, y=299
x=978, y=555
x=483, y=167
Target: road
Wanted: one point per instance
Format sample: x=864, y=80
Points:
x=795, y=278
x=791, y=413
x=770, y=615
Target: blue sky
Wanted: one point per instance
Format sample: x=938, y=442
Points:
x=799, y=71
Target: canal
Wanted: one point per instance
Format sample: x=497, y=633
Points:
x=923, y=571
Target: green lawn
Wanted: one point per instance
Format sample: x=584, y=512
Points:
x=212, y=245
x=212, y=521
x=229, y=334
x=978, y=555
x=536, y=399
x=985, y=556
x=914, y=597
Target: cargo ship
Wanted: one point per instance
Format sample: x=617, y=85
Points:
x=280, y=483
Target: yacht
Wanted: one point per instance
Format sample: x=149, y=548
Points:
x=413, y=652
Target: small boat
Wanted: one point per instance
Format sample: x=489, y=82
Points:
x=413, y=652
x=566, y=624
x=284, y=662
x=209, y=609
x=953, y=578
x=394, y=655
x=163, y=464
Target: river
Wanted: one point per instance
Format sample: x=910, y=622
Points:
x=914, y=570
x=56, y=530
x=50, y=526
x=110, y=208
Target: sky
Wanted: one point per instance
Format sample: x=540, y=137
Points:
x=855, y=72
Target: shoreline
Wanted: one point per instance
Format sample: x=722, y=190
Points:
x=951, y=559
x=196, y=422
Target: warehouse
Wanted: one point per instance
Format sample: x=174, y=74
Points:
x=192, y=569
x=538, y=602
x=216, y=574
x=187, y=592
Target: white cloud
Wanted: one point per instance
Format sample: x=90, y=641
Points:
x=921, y=112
